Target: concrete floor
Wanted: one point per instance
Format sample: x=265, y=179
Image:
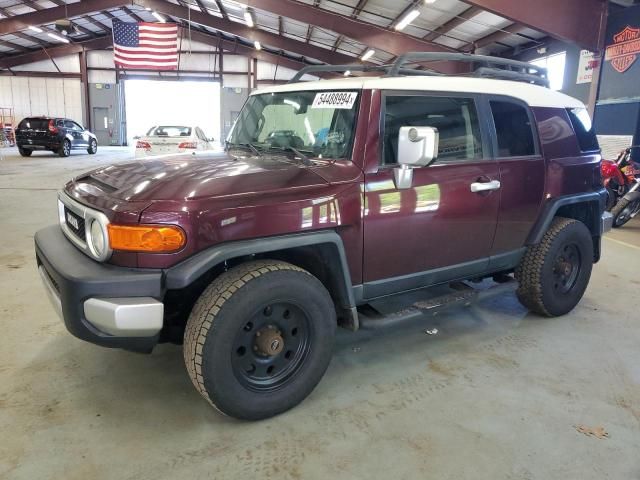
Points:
x=497, y=393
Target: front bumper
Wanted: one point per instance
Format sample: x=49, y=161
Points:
x=103, y=304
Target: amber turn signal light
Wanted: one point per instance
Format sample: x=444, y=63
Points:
x=146, y=238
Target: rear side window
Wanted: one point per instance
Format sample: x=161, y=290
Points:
x=583, y=126
x=455, y=118
x=513, y=129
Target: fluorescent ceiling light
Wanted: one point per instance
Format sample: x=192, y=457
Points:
x=429, y=1
x=407, y=19
x=56, y=37
x=158, y=16
x=35, y=29
x=257, y=45
x=248, y=18
x=368, y=54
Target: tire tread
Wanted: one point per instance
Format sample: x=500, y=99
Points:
x=529, y=271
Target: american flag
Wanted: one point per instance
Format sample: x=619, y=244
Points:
x=152, y=46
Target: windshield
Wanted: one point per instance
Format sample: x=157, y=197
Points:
x=169, y=131
x=320, y=124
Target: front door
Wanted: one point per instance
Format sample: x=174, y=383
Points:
x=438, y=229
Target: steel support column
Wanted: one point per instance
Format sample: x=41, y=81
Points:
x=84, y=81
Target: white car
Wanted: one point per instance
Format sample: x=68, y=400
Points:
x=170, y=139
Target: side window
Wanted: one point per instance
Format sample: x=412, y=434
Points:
x=583, y=126
x=77, y=126
x=455, y=118
x=200, y=134
x=69, y=124
x=513, y=129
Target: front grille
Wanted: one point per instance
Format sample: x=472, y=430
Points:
x=75, y=223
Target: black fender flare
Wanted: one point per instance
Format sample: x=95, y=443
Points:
x=188, y=271
x=597, y=200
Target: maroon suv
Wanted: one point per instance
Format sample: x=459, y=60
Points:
x=331, y=197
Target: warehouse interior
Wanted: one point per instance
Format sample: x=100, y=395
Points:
x=490, y=390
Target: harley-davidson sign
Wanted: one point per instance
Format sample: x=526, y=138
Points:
x=625, y=49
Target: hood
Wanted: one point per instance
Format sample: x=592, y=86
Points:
x=186, y=177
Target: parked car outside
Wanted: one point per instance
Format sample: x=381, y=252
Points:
x=57, y=135
x=336, y=203
x=171, y=139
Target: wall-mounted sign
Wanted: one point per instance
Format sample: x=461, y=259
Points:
x=585, y=67
x=625, y=49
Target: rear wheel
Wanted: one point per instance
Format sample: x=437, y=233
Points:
x=65, y=149
x=93, y=146
x=259, y=339
x=554, y=274
x=624, y=211
x=25, y=152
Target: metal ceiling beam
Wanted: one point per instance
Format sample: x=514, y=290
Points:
x=575, y=21
x=496, y=37
x=50, y=15
x=53, y=52
x=454, y=23
x=366, y=33
x=267, y=39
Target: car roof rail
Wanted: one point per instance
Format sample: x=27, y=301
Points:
x=356, y=67
x=487, y=67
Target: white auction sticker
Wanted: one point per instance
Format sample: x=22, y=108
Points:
x=343, y=100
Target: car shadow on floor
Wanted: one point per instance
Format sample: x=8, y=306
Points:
x=104, y=382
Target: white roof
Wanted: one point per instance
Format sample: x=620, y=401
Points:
x=533, y=95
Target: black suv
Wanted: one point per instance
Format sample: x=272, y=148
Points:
x=60, y=135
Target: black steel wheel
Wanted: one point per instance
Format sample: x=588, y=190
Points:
x=65, y=149
x=259, y=339
x=270, y=348
x=566, y=268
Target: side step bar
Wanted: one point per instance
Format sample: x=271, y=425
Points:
x=372, y=319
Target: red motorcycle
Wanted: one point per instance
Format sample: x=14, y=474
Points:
x=622, y=181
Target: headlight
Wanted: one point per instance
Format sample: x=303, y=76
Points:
x=97, y=240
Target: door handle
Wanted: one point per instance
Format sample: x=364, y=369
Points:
x=479, y=187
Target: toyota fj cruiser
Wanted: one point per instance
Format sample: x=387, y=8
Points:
x=331, y=197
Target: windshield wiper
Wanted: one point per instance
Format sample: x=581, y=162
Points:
x=248, y=145
x=305, y=160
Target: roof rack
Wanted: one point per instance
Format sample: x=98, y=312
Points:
x=488, y=67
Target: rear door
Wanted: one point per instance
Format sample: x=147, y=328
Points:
x=522, y=174
x=438, y=229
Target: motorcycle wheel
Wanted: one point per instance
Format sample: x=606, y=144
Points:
x=624, y=211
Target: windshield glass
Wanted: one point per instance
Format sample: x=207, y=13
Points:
x=169, y=131
x=319, y=123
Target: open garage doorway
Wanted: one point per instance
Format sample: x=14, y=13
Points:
x=163, y=102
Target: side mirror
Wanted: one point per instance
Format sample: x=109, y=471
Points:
x=136, y=137
x=211, y=139
x=417, y=147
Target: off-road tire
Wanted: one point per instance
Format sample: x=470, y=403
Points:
x=535, y=273
x=65, y=149
x=617, y=211
x=93, y=147
x=25, y=152
x=224, y=309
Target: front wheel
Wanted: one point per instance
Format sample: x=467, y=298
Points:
x=259, y=339
x=624, y=211
x=553, y=275
x=25, y=152
x=65, y=149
